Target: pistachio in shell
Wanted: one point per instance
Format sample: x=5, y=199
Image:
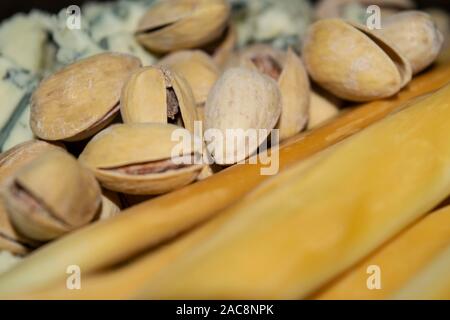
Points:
x=182, y=24
x=241, y=99
x=288, y=70
x=158, y=94
x=198, y=68
x=82, y=98
x=10, y=163
x=352, y=63
x=415, y=36
x=142, y=158
x=51, y=196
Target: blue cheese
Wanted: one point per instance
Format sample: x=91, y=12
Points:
x=125, y=43
x=21, y=131
x=71, y=45
x=112, y=26
x=16, y=86
x=22, y=40
x=277, y=22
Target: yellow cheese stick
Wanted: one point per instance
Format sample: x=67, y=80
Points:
x=398, y=261
x=433, y=283
x=303, y=228
x=121, y=283
x=146, y=225
x=131, y=277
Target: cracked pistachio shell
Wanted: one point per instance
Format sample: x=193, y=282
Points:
x=415, y=36
x=198, y=68
x=182, y=24
x=288, y=70
x=51, y=196
x=82, y=98
x=241, y=99
x=352, y=63
x=10, y=163
x=137, y=158
x=160, y=95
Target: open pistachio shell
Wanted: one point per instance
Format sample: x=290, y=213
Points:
x=10, y=163
x=155, y=94
x=288, y=70
x=142, y=158
x=182, y=24
x=51, y=196
x=352, y=63
x=415, y=36
x=198, y=68
x=82, y=98
x=245, y=100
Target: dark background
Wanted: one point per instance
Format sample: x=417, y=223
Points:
x=9, y=7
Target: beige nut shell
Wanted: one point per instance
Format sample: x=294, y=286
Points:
x=82, y=98
x=133, y=144
x=10, y=163
x=144, y=97
x=352, y=63
x=292, y=80
x=198, y=68
x=415, y=36
x=182, y=24
x=241, y=99
x=68, y=194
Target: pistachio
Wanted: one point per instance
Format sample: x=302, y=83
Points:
x=241, y=99
x=82, y=98
x=140, y=158
x=155, y=94
x=182, y=24
x=321, y=110
x=352, y=63
x=199, y=70
x=415, y=36
x=288, y=70
x=51, y=196
x=10, y=163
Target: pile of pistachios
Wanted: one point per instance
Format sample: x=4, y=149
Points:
x=104, y=123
